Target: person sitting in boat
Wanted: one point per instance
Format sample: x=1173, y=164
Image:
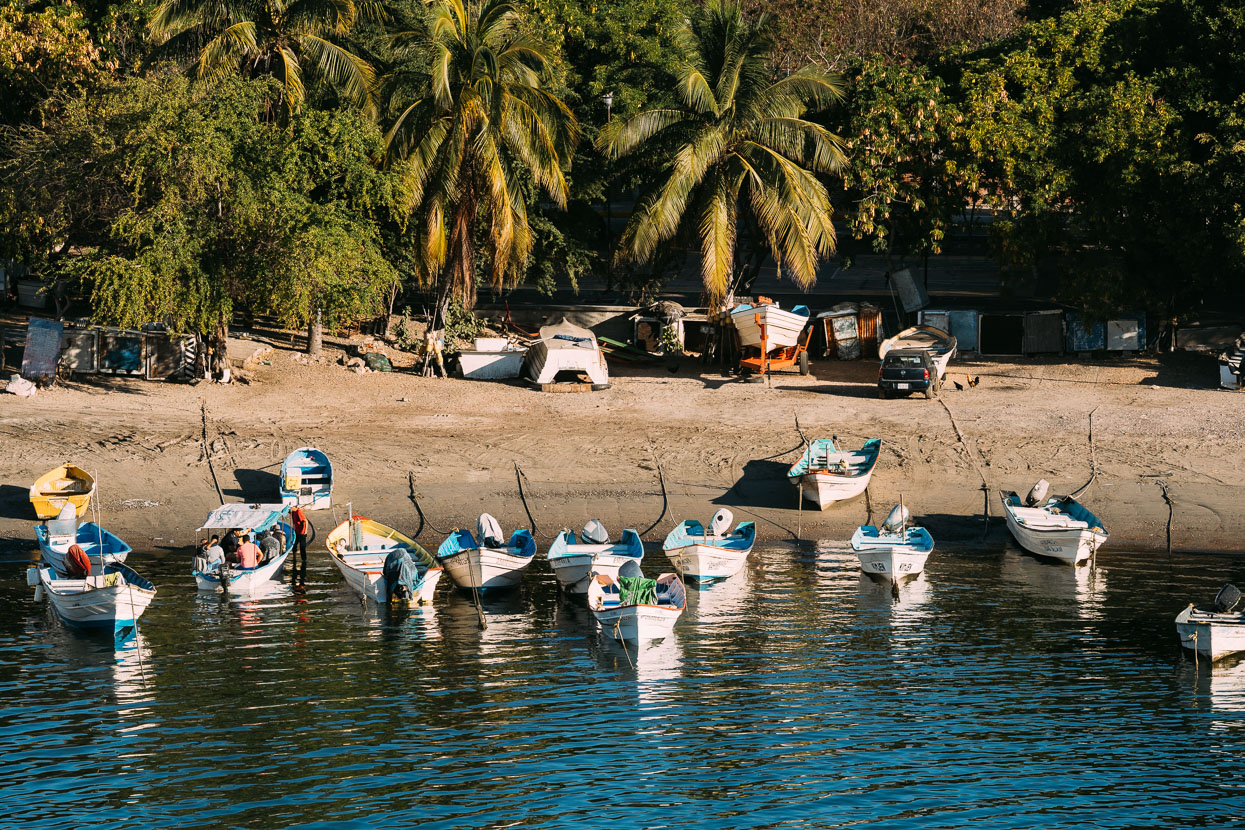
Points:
x=248, y=553
x=230, y=544
x=77, y=563
x=269, y=545
x=214, y=553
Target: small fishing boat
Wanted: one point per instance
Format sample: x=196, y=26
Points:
x=634, y=608
x=381, y=563
x=1213, y=632
x=566, y=347
x=1059, y=527
x=826, y=474
x=307, y=479
x=490, y=562
x=714, y=554
x=113, y=599
x=55, y=537
x=66, y=484
x=252, y=519
x=782, y=327
x=896, y=550
x=941, y=345
x=575, y=560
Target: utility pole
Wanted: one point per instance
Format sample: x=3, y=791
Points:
x=608, y=100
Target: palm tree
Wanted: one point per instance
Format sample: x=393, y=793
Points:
x=481, y=133
x=284, y=38
x=736, y=146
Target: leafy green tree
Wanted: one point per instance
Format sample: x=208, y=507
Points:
x=44, y=50
x=736, y=146
x=287, y=39
x=482, y=132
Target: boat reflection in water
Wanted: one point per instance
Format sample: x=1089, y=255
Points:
x=1220, y=687
x=907, y=601
x=378, y=619
x=720, y=604
x=836, y=567
x=508, y=632
x=657, y=665
x=133, y=676
x=1083, y=587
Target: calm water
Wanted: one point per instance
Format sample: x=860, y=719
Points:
x=997, y=691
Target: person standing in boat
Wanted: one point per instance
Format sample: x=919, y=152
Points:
x=298, y=521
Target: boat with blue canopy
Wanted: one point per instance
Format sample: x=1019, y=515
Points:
x=251, y=519
x=716, y=553
x=307, y=479
x=487, y=560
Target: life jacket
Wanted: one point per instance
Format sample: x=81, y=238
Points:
x=298, y=520
x=77, y=563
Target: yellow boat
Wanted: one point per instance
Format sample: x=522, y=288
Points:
x=66, y=484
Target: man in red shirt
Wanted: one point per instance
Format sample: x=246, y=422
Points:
x=298, y=521
x=248, y=553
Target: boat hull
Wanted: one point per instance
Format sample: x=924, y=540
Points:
x=706, y=562
x=485, y=568
x=574, y=571
x=824, y=489
x=242, y=582
x=53, y=549
x=80, y=605
x=782, y=327
x=368, y=579
x=893, y=563
x=67, y=484
x=1210, y=634
x=1071, y=546
x=638, y=622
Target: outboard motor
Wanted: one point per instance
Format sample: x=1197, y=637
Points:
x=399, y=574
x=630, y=569
x=896, y=519
x=596, y=533
x=1038, y=494
x=720, y=524
x=63, y=530
x=1227, y=598
x=488, y=532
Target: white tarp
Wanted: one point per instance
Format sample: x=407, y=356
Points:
x=247, y=516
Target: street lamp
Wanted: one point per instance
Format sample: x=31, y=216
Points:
x=608, y=100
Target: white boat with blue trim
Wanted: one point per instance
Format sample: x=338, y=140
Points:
x=716, y=553
x=633, y=608
x=575, y=559
x=1059, y=528
x=56, y=536
x=307, y=479
x=113, y=599
x=1216, y=631
x=251, y=518
x=895, y=550
x=825, y=474
x=489, y=563
x=782, y=327
x=382, y=564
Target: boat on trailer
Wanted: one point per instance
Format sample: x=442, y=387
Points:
x=56, y=536
x=307, y=479
x=941, y=345
x=895, y=550
x=381, y=563
x=825, y=474
x=1216, y=631
x=716, y=553
x=782, y=328
x=633, y=608
x=486, y=561
x=575, y=559
x=251, y=518
x=113, y=599
x=66, y=484
x=1058, y=528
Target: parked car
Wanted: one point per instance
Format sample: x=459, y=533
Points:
x=904, y=371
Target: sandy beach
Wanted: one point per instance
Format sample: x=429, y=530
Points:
x=1162, y=434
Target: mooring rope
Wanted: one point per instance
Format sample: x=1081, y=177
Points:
x=1093, y=459
x=423, y=520
x=665, y=499
x=519, y=475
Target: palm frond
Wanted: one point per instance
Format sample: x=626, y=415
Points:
x=341, y=67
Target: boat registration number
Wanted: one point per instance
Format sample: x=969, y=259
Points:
x=901, y=386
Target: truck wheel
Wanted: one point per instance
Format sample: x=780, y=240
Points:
x=803, y=363
x=882, y=394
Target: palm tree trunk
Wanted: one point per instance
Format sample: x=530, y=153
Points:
x=220, y=351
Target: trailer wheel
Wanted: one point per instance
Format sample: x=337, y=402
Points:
x=803, y=363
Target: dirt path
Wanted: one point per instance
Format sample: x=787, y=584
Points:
x=719, y=442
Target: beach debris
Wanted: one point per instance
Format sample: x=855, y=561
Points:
x=19, y=386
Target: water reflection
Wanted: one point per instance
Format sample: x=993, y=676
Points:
x=719, y=604
x=1084, y=587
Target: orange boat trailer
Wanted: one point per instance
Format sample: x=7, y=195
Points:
x=761, y=361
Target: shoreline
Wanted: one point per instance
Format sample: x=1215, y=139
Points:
x=719, y=443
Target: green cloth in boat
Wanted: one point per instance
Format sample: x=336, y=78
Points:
x=636, y=590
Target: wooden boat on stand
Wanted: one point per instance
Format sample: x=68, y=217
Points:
x=772, y=339
x=382, y=564
x=633, y=608
x=707, y=555
x=825, y=474
x=1058, y=528
x=486, y=561
x=66, y=484
x=575, y=559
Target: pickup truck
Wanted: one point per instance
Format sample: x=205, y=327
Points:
x=904, y=371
